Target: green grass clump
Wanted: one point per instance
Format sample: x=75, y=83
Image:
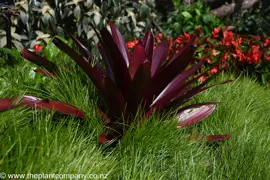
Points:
x=44, y=142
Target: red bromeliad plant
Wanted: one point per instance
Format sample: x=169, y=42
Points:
x=146, y=79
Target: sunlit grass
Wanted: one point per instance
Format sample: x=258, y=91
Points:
x=44, y=142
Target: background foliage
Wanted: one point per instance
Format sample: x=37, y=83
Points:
x=255, y=21
x=187, y=18
x=39, y=19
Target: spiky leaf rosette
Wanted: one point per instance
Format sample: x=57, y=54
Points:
x=145, y=79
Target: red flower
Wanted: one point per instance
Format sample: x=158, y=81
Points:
x=215, y=32
x=239, y=54
x=186, y=36
x=237, y=42
x=37, y=48
x=225, y=57
x=178, y=41
x=131, y=44
x=182, y=39
x=159, y=36
x=208, y=61
x=203, y=78
x=214, y=52
x=228, y=38
x=214, y=70
x=267, y=58
x=255, y=55
x=267, y=42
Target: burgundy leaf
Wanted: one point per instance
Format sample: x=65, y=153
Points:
x=141, y=78
x=104, y=117
x=185, y=96
x=107, y=62
x=118, y=64
x=221, y=83
x=113, y=98
x=176, y=86
x=198, y=89
x=96, y=31
x=93, y=72
x=44, y=72
x=86, y=53
x=5, y=104
x=187, y=118
x=109, y=71
x=102, y=45
x=38, y=60
x=57, y=106
x=197, y=105
x=214, y=138
x=138, y=57
x=148, y=43
x=178, y=55
x=159, y=56
x=185, y=55
x=205, y=72
x=103, y=139
x=83, y=50
x=162, y=79
x=174, y=101
x=108, y=90
x=119, y=40
x=210, y=138
x=34, y=102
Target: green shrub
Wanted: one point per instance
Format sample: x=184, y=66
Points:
x=256, y=21
x=163, y=8
x=39, y=20
x=9, y=57
x=188, y=18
